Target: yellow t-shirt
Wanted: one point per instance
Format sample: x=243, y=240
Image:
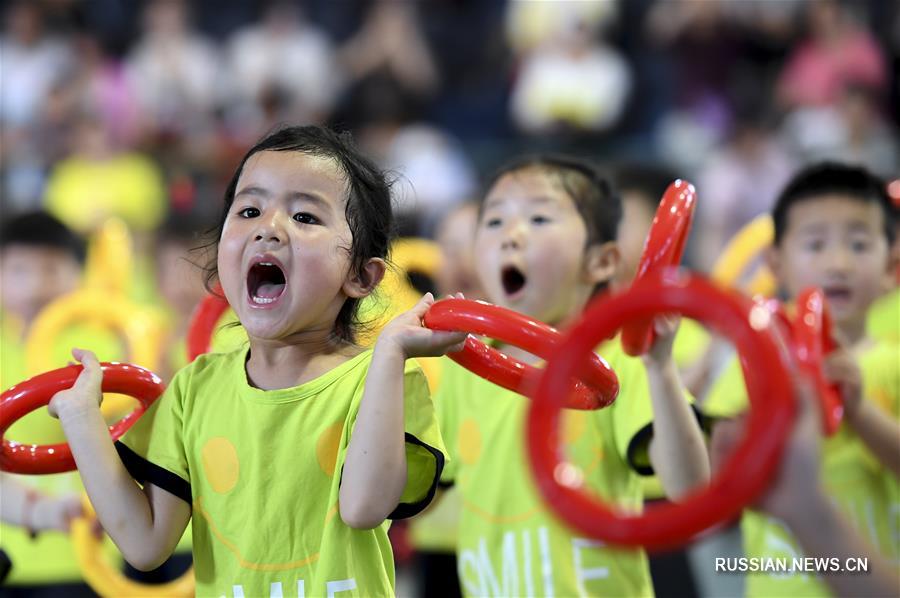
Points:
x=261, y=470
x=510, y=543
x=884, y=318
x=49, y=558
x=865, y=492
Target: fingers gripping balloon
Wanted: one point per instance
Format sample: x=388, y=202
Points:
x=600, y=389
x=751, y=327
x=664, y=247
x=36, y=392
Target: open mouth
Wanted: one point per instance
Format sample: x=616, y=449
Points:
x=512, y=279
x=265, y=283
x=837, y=293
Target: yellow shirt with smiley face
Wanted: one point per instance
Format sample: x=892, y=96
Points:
x=262, y=472
x=510, y=543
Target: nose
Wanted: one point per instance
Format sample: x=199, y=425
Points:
x=514, y=236
x=270, y=228
x=840, y=260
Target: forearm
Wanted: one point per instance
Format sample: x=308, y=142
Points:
x=879, y=432
x=822, y=532
x=16, y=502
x=123, y=509
x=677, y=450
x=374, y=472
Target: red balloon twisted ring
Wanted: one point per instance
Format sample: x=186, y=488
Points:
x=745, y=475
x=25, y=397
x=527, y=333
x=664, y=247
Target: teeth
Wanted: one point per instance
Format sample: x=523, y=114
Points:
x=263, y=300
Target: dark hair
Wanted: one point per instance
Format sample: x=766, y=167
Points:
x=598, y=204
x=40, y=229
x=649, y=181
x=368, y=208
x=827, y=178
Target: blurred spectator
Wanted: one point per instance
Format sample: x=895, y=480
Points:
x=32, y=64
x=837, y=52
x=456, y=234
x=740, y=180
x=390, y=44
x=435, y=174
x=174, y=71
x=572, y=81
x=97, y=181
x=286, y=57
x=852, y=131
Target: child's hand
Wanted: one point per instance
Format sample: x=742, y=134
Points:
x=797, y=478
x=85, y=394
x=841, y=368
x=665, y=328
x=407, y=333
x=56, y=513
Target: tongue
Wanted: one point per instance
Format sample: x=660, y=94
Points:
x=269, y=290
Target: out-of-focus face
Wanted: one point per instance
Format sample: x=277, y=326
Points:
x=180, y=280
x=637, y=216
x=284, y=251
x=529, y=248
x=32, y=276
x=836, y=243
x=456, y=237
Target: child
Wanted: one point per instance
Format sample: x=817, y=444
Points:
x=288, y=454
x=834, y=225
x=545, y=245
x=797, y=497
x=40, y=261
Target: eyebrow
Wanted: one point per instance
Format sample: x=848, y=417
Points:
x=303, y=196
x=538, y=199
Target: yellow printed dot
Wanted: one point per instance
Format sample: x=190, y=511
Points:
x=469, y=441
x=574, y=424
x=327, y=447
x=220, y=464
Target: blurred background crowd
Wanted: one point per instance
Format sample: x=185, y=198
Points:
x=142, y=109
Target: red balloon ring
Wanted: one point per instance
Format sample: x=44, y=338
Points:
x=203, y=323
x=664, y=247
x=27, y=396
x=508, y=326
x=812, y=341
x=747, y=471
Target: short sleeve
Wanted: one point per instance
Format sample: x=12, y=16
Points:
x=153, y=449
x=425, y=453
x=633, y=415
x=881, y=377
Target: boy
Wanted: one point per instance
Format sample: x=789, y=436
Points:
x=40, y=260
x=834, y=226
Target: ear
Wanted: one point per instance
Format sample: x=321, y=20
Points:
x=601, y=262
x=772, y=259
x=360, y=285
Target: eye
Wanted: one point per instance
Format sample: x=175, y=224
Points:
x=306, y=218
x=539, y=219
x=248, y=212
x=815, y=245
x=492, y=222
x=859, y=245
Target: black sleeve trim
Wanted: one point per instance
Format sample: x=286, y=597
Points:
x=144, y=471
x=405, y=510
x=640, y=443
x=444, y=485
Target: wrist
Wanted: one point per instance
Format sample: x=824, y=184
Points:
x=74, y=415
x=388, y=347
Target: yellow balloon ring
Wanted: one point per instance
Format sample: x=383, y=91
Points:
x=139, y=327
x=105, y=579
x=741, y=251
